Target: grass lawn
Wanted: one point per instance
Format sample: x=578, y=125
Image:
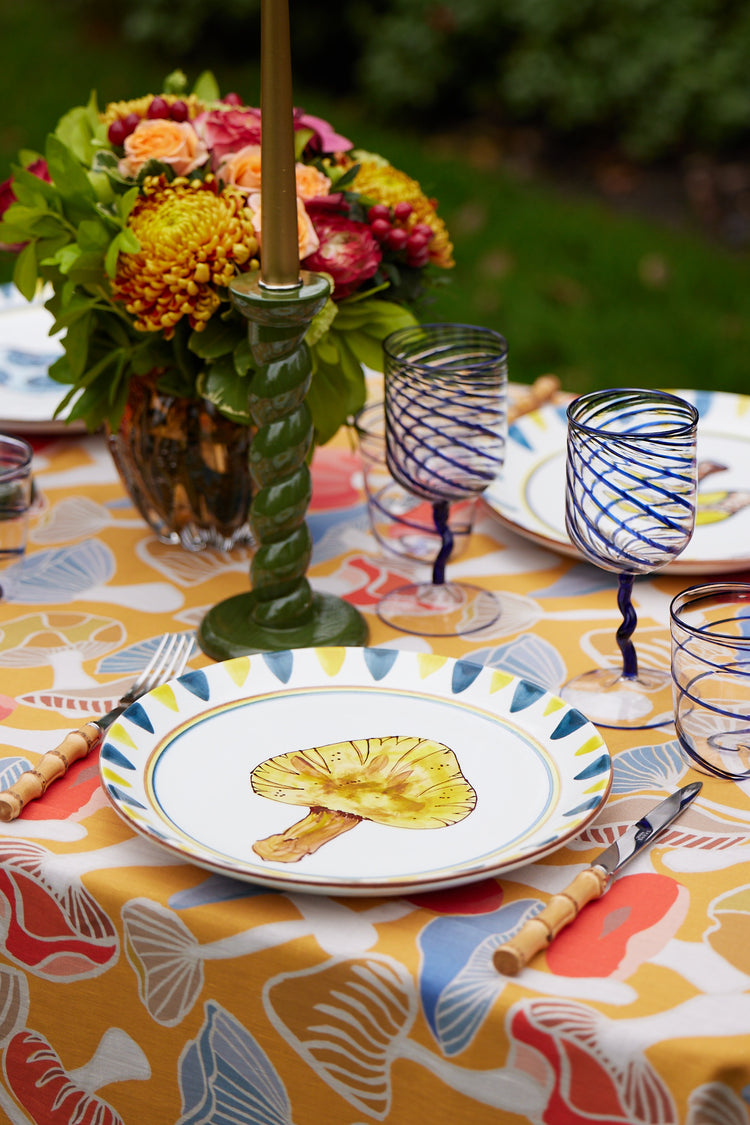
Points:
x=597, y=297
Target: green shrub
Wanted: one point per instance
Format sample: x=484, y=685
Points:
x=654, y=77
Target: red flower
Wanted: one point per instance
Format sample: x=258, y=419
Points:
x=7, y=196
x=348, y=251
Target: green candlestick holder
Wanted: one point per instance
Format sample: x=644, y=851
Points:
x=281, y=610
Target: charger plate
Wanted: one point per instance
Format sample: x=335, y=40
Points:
x=529, y=497
x=177, y=764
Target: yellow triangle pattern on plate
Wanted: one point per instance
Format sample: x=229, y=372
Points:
x=594, y=743
x=117, y=732
x=331, y=659
x=428, y=663
x=499, y=680
x=238, y=669
x=165, y=695
x=116, y=778
x=554, y=705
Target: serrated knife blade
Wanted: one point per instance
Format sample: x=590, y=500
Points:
x=538, y=932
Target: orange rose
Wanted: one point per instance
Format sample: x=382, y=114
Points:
x=307, y=239
x=242, y=168
x=171, y=142
x=310, y=182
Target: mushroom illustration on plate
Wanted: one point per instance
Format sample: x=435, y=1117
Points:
x=399, y=781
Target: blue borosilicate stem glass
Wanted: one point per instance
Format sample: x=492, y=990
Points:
x=440, y=512
x=626, y=630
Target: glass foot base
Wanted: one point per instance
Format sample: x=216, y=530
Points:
x=228, y=630
x=608, y=699
x=448, y=610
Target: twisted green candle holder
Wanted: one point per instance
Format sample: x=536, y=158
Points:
x=280, y=610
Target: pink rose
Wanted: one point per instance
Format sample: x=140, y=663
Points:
x=171, y=142
x=307, y=238
x=348, y=251
x=37, y=168
x=228, y=130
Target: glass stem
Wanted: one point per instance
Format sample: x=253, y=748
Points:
x=440, y=510
x=626, y=630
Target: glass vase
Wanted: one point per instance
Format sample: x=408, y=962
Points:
x=185, y=467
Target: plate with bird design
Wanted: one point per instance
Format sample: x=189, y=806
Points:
x=355, y=771
x=529, y=495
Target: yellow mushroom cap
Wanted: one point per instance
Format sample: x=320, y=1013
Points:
x=401, y=781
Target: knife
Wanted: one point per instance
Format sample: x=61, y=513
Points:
x=538, y=932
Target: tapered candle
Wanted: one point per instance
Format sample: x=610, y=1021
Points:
x=279, y=247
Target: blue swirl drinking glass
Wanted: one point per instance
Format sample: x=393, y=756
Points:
x=446, y=426
x=710, y=627
x=631, y=481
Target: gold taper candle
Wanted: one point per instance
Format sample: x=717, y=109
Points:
x=279, y=246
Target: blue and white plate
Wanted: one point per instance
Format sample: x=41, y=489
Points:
x=518, y=773
x=529, y=495
x=28, y=397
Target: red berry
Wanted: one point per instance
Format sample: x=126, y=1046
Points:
x=120, y=129
x=423, y=229
x=402, y=211
x=232, y=99
x=379, y=211
x=116, y=133
x=416, y=243
x=396, y=238
x=381, y=228
x=179, y=111
x=158, y=108
x=131, y=122
x=417, y=258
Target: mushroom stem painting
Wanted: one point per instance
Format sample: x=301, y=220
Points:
x=399, y=781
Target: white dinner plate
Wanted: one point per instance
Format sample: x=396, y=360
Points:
x=529, y=496
x=519, y=774
x=28, y=396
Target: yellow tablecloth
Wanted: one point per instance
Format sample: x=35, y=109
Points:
x=138, y=988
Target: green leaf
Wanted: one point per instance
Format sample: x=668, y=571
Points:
x=222, y=385
x=68, y=175
x=207, y=88
x=301, y=137
x=77, y=129
x=25, y=272
x=243, y=356
x=77, y=343
x=337, y=391
x=80, y=305
x=219, y=338
x=32, y=190
x=92, y=235
x=321, y=322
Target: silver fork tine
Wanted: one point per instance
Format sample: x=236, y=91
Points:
x=145, y=680
x=168, y=661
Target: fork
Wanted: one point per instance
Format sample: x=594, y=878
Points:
x=169, y=660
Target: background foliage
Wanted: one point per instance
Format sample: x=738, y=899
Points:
x=649, y=75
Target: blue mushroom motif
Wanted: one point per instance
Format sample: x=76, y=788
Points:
x=227, y=1079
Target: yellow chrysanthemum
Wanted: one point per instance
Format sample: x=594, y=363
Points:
x=385, y=184
x=193, y=239
x=117, y=110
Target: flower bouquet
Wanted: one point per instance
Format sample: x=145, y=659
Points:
x=139, y=216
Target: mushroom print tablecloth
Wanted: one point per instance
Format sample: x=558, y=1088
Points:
x=138, y=986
